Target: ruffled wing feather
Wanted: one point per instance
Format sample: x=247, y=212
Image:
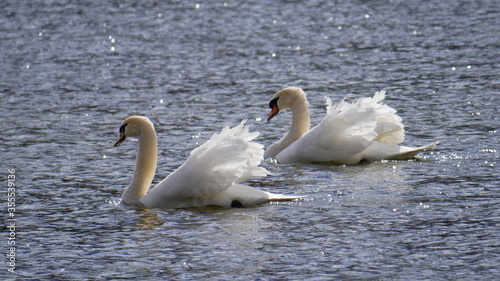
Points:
x=224, y=160
x=346, y=131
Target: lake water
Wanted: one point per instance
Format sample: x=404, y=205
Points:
x=71, y=71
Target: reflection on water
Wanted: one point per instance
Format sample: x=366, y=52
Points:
x=70, y=72
x=149, y=219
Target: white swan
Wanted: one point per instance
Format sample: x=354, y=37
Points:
x=349, y=133
x=210, y=175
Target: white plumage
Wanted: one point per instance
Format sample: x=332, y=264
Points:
x=210, y=176
x=350, y=132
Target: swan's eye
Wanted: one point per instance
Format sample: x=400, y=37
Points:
x=122, y=128
x=273, y=103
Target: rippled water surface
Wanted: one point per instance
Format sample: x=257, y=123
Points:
x=71, y=71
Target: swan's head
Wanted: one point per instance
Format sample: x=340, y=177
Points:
x=285, y=99
x=133, y=126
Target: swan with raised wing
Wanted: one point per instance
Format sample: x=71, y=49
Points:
x=365, y=130
x=210, y=176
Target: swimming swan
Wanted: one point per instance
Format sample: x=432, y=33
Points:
x=210, y=175
x=349, y=133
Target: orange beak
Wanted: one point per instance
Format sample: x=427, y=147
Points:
x=273, y=104
x=122, y=136
x=274, y=112
x=120, y=139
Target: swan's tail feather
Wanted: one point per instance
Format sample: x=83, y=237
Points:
x=248, y=196
x=280, y=197
x=378, y=150
x=411, y=152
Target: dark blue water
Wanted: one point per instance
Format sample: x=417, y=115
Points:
x=71, y=71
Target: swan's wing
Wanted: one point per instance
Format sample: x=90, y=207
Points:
x=389, y=128
x=338, y=138
x=225, y=159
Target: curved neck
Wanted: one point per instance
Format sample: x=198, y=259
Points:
x=145, y=167
x=300, y=126
x=300, y=122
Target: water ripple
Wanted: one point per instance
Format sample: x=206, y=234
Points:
x=72, y=71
